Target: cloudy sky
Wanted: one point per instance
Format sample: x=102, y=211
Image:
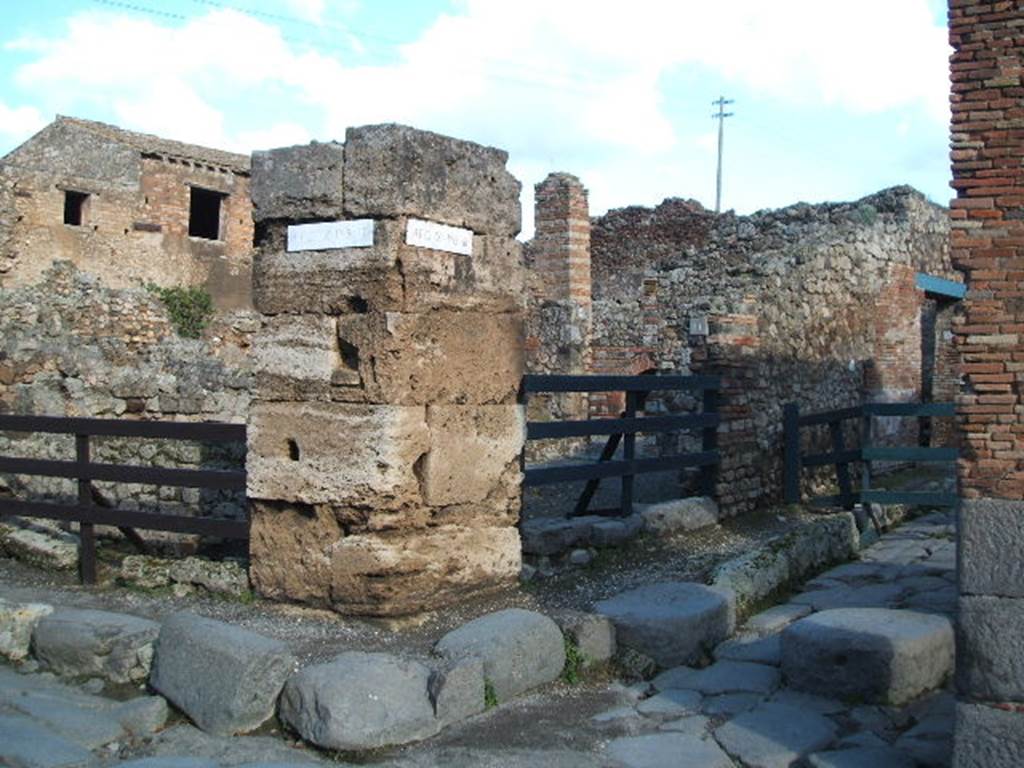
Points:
x=833, y=99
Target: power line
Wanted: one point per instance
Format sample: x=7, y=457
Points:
x=720, y=117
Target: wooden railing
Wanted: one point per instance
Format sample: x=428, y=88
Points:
x=866, y=452
x=624, y=430
x=89, y=514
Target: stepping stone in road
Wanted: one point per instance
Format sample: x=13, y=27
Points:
x=869, y=654
x=658, y=750
x=673, y=622
x=775, y=735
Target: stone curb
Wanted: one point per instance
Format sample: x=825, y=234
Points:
x=455, y=685
x=762, y=574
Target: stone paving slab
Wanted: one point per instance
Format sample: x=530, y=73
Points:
x=775, y=735
x=668, y=749
x=722, y=677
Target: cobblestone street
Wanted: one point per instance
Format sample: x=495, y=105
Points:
x=739, y=711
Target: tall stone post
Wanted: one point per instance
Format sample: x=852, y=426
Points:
x=987, y=243
x=384, y=439
x=560, y=316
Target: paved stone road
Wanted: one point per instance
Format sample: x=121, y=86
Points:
x=736, y=712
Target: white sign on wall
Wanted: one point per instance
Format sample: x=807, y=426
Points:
x=439, y=237
x=322, y=236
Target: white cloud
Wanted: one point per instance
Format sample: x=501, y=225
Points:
x=572, y=84
x=308, y=10
x=18, y=123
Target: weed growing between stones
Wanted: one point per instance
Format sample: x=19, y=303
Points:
x=490, y=696
x=189, y=307
x=575, y=660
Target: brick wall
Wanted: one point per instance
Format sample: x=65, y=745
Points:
x=987, y=238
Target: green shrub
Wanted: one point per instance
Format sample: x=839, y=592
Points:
x=189, y=307
x=490, y=695
x=574, y=662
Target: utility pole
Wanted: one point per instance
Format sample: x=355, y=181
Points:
x=720, y=117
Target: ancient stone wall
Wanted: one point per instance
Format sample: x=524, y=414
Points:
x=813, y=304
x=70, y=346
x=385, y=435
x=987, y=232
x=134, y=226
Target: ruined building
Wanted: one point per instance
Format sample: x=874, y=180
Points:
x=127, y=207
x=816, y=304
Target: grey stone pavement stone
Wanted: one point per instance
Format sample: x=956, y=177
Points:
x=765, y=723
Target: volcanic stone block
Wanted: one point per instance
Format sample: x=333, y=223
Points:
x=457, y=690
x=341, y=281
x=401, y=573
x=868, y=654
x=673, y=622
x=114, y=646
x=393, y=170
x=987, y=737
x=991, y=543
x=225, y=678
x=471, y=448
x=291, y=550
x=298, y=358
x=520, y=649
x=301, y=182
x=493, y=278
x=440, y=356
x=990, y=648
x=360, y=701
x=319, y=453
x=17, y=620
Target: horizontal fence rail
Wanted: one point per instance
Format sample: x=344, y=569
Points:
x=88, y=513
x=624, y=430
x=866, y=453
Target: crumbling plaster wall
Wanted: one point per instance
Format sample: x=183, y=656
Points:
x=136, y=222
x=70, y=346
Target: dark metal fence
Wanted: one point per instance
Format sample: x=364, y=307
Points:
x=624, y=430
x=867, y=452
x=88, y=513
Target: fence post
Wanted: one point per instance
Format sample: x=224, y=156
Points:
x=867, y=427
x=709, y=442
x=633, y=401
x=86, y=533
x=791, y=463
x=835, y=428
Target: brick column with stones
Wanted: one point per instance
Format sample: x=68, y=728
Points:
x=559, y=321
x=384, y=438
x=987, y=244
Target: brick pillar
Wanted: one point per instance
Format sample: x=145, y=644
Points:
x=384, y=439
x=987, y=239
x=732, y=346
x=559, y=330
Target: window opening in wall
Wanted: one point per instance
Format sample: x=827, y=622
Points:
x=75, y=204
x=204, y=214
